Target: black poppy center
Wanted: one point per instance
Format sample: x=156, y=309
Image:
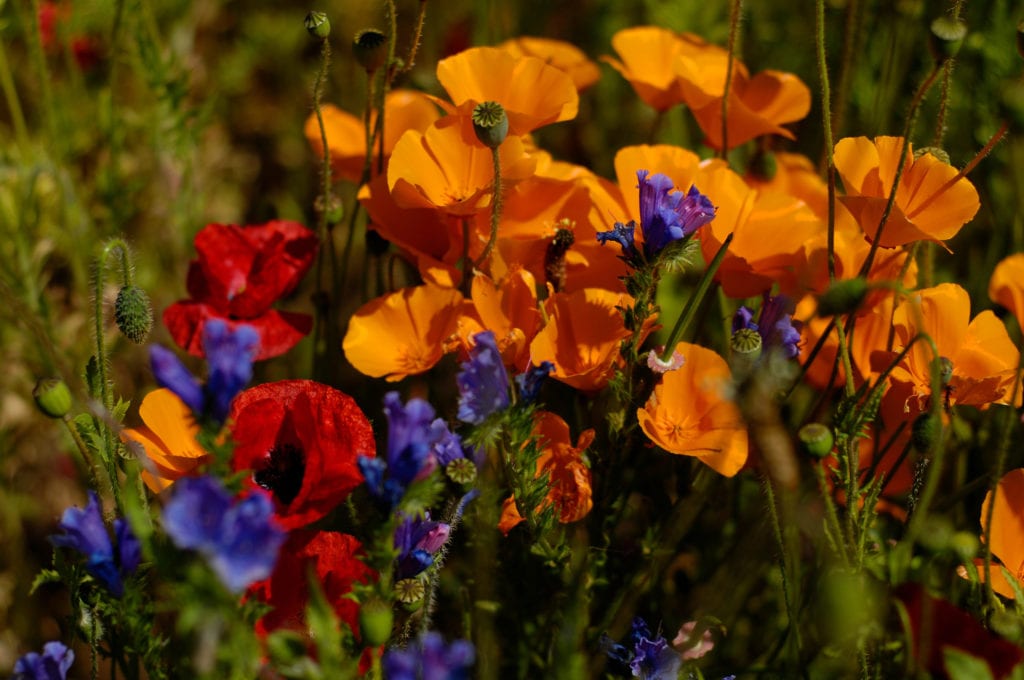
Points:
x=282, y=472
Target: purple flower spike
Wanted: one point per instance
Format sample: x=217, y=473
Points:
x=429, y=658
x=775, y=325
x=85, y=531
x=483, y=381
x=172, y=374
x=667, y=215
x=530, y=382
x=53, y=664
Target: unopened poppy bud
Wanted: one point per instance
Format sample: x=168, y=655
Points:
x=410, y=590
x=924, y=432
x=936, y=151
x=461, y=471
x=370, y=48
x=490, y=123
x=318, y=25
x=843, y=297
x=745, y=349
x=947, y=37
x=52, y=397
x=375, y=621
x=133, y=314
x=817, y=439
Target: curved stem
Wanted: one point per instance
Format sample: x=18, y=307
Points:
x=495, y=211
x=734, y=30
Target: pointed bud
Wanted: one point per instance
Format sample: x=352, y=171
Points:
x=490, y=123
x=370, y=48
x=52, y=397
x=843, y=297
x=817, y=439
x=375, y=621
x=947, y=37
x=318, y=25
x=133, y=314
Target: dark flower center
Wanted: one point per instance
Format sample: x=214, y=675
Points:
x=282, y=472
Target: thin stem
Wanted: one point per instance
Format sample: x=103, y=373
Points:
x=495, y=210
x=694, y=302
x=851, y=39
x=734, y=31
x=417, y=37
x=324, y=232
x=826, y=116
x=784, y=568
x=43, y=77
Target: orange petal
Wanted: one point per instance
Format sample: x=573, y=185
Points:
x=1007, y=286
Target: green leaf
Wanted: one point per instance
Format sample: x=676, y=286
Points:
x=42, y=578
x=962, y=666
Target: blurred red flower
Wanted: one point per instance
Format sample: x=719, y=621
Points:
x=239, y=274
x=301, y=440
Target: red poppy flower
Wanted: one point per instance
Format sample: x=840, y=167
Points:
x=334, y=558
x=301, y=440
x=239, y=274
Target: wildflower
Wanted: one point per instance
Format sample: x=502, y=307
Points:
x=334, y=559
x=429, y=658
x=418, y=539
x=775, y=325
x=1007, y=527
x=507, y=309
x=690, y=413
x=644, y=655
x=569, y=489
x=168, y=435
x=239, y=273
x=564, y=56
x=690, y=646
x=1006, y=287
x=85, y=531
x=402, y=333
x=530, y=382
x=483, y=381
x=300, y=440
x=932, y=201
x=649, y=57
x=239, y=539
x=229, y=353
x=658, y=365
x=412, y=434
x=53, y=664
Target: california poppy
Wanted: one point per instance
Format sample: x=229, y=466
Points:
x=649, y=56
x=691, y=413
x=569, y=491
x=564, y=56
x=932, y=202
x=240, y=272
x=168, y=436
x=1006, y=287
x=300, y=440
x=1007, y=530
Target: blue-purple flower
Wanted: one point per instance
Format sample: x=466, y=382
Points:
x=85, y=531
x=643, y=655
x=418, y=539
x=775, y=325
x=483, y=381
x=666, y=216
x=429, y=658
x=53, y=664
x=530, y=382
x=239, y=539
x=229, y=355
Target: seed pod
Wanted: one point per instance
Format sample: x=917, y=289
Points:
x=370, y=48
x=318, y=25
x=817, y=439
x=490, y=123
x=946, y=38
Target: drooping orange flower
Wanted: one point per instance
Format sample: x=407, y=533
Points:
x=402, y=333
x=983, y=358
x=532, y=93
x=1006, y=538
x=1006, y=287
x=691, y=413
x=448, y=169
x=569, y=489
x=650, y=62
x=932, y=201
x=564, y=56
x=346, y=135
x=582, y=336
x=169, y=439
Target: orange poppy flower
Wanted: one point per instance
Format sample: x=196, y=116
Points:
x=346, y=135
x=532, y=93
x=650, y=62
x=690, y=412
x=582, y=336
x=1006, y=287
x=984, y=359
x=562, y=55
x=1006, y=538
x=169, y=439
x=447, y=168
x=509, y=309
x=929, y=206
x=402, y=333
x=569, y=488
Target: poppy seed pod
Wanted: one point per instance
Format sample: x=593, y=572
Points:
x=318, y=25
x=745, y=347
x=52, y=397
x=133, y=314
x=936, y=151
x=461, y=471
x=816, y=439
x=946, y=38
x=370, y=48
x=490, y=123
x=843, y=297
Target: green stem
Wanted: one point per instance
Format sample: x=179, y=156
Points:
x=322, y=320
x=784, y=564
x=694, y=302
x=43, y=77
x=734, y=31
x=495, y=210
x=826, y=119
x=417, y=37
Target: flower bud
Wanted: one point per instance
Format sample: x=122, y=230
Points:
x=375, y=621
x=946, y=38
x=965, y=545
x=318, y=25
x=490, y=123
x=461, y=471
x=843, y=297
x=52, y=397
x=133, y=314
x=410, y=590
x=924, y=432
x=816, y=439
x=370, y=48
x=937, y=533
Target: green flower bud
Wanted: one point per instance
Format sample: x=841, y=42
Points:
x=133, y=314
x=370, y=48
x=318, y=25
x=375, y=621
x=52, y=397
x=965, y=545
x=843, y=297
x=946, y=38
x=817, y=439
x=490, y=123
x=924, y=432
x=461, y=471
